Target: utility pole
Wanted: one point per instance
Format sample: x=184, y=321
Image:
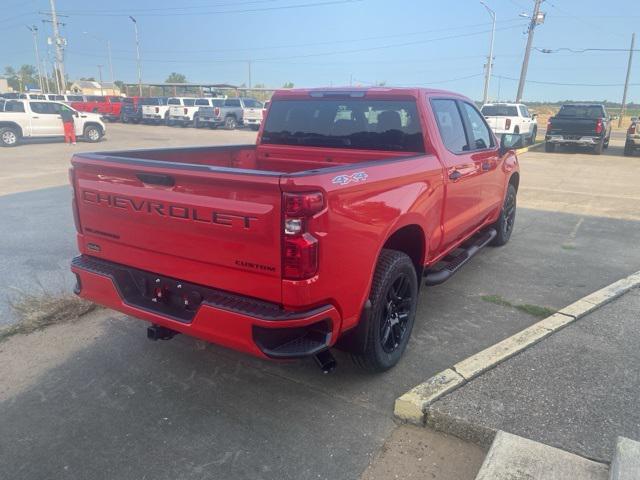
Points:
x=249, y=65
x=626, y=82
x=135, y=28
x=100, y=77
x=58, y=43
x=34, y=31
x=487, y=77
x=536, y=19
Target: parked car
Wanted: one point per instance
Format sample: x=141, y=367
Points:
x=38, y=118
x=160, y=113
x=132, y=110
x=230, y=113
x=109, y=106
x=511, y=118
x=318, y=236
x=252, y=112
x=188, y=114
x=632, y=142
x=585, y=125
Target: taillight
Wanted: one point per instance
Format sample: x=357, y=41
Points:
x=157, y=109
x=599, y=126
x=549, y=125
x=216, y=112
x=507, y=124
x=185, y=111
x=74, y=201
x=632, y=129
x=300, y=248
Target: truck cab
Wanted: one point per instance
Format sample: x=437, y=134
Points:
x=511, y=118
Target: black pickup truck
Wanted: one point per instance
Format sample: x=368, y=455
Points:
x=586, y=125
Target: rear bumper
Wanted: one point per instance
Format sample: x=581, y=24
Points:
x=256, y=327
x=586, y=140
x=634, y=141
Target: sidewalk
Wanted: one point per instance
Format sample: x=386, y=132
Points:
x=576, y=390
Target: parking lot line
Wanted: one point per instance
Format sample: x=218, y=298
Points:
x=412, y=405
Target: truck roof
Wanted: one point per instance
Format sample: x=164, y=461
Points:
x=361, y=92
x=503, y=104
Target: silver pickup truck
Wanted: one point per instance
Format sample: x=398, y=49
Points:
x=230, y=113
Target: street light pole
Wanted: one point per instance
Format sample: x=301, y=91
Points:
x=487, y=78
x=135, y=28
x=626, y=83
x=100, y=77
x=34, y=31
x=536, y=19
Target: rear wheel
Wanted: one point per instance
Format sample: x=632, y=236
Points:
x=394, y=298
x=230, y=122
x=255, y=128
x=599, y=147
x=196, y=122
x=9, y=137
x=628, y=149
x=506, y=222
x=549, y=147
x=606, y=142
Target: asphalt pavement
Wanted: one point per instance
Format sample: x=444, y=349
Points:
x=578, y=390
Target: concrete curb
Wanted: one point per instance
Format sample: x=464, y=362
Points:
x=530, y=147
x=413, y=406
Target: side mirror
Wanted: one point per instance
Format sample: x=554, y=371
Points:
x=534, y=115
x=76, y=114
x=511, y=141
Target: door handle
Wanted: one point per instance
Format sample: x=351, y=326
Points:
x=35, y=117
x=156, y=179
x=455, y=175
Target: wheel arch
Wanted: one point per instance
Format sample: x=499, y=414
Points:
x=515, y=180
x=12, y=125
x=410, y=240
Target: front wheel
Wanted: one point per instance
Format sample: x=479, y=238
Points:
x=504, y=225
x=394, y=299
x=92, y=133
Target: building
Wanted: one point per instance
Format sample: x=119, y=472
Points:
x=4, y=86
x=88, y=87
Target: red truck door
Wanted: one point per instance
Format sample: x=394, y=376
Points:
x=465, y=177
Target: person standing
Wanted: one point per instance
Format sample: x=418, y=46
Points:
x=69, y=127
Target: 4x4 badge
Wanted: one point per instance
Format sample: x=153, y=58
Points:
x=346, y=179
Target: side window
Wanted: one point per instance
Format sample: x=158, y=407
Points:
x=524, y=111
x=232, y=102
x=450, y=125
x=14, y=107
x=481, y=134
x=41, y=107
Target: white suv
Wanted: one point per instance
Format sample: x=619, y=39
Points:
x=511, y=118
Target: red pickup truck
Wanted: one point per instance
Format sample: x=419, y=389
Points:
x=317, y=236
x=109, y=106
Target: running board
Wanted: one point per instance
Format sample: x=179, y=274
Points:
x=453, y=263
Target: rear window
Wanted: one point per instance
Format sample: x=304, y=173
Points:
x=389, y=125
x=251, y=103
x=10, y=106
x=118, y=99
x=93, y=98
x=74, y=98
x=499, y=111
x=150, y=101
x=217, y=102
x=581, y=111
x=188, y=102
x=203, y=101
x=173, y=101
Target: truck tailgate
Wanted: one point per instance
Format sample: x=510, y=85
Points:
x=496, y=123
x=573, y=126
x=214, y=228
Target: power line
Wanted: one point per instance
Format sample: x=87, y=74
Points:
x=562, y=84
x=162, y=9
x=215, y=12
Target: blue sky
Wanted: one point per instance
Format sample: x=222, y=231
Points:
x=402, y=42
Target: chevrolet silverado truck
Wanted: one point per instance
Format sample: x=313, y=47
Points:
x=317, y=236
x=583, y=125
x=189, y=113
x=252, y=113
x=131, y=111
x=511, y=118
x=20, y=119
x=230, y=114
x=108, y=107
x=632, y=141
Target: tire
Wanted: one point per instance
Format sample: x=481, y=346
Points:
x=534, y=134
x=255, y=128
x=9, y=137
x=506, y=222
x=167, y=122
x=606, y=143
x=549, y=147
x=124, y=119
x=92, y=133
x=599, y=147
x=230, y=122
x=196, y=122
x=394, y=299
x=628, y=149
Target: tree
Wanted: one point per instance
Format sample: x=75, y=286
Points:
x=175, y=77
x=25, y=75
x=88, y=79
x=287, y=85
